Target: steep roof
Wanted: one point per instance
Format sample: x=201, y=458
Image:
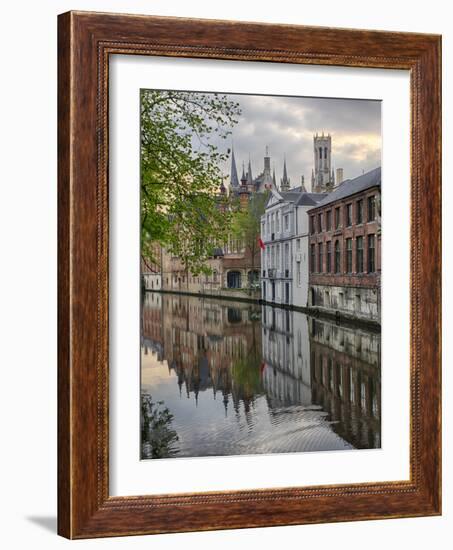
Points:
x=310, y=199
x=300, y=198
x=350, y=187
x=234, y=181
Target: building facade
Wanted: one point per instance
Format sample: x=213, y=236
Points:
x=284, y=257
x=235, y=269
x=345, y=249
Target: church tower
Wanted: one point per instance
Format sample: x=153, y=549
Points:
x=322, y=178
x=267, y=176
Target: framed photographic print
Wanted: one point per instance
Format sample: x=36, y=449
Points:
x=249, y=275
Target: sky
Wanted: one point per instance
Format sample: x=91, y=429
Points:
x=287, y=125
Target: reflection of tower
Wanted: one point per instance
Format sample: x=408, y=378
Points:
x=323, y=176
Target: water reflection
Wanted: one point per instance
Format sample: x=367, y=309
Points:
x=239, y=378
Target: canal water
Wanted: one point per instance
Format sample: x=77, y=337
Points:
x=221, y=377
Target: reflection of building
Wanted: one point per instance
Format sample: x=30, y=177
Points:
x=307, y=373
x=151, y=324
x=345, y=249
x=346, y=380
x=319, y=363
x=286, y=375
x=208, y=344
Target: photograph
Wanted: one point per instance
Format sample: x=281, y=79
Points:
x=260, y=255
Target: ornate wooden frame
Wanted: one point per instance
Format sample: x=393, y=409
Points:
x=85, y=41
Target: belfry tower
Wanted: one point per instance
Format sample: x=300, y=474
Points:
x=322, y=179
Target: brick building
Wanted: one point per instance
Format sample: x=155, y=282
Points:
x=345, y=249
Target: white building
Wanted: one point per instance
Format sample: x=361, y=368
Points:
x=152, y=280
x=284, y=233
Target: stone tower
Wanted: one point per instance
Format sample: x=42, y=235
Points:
x=322, y=179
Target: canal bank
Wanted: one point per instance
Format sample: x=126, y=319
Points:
x=317, y=312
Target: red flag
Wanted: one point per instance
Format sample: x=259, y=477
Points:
x=260, y=242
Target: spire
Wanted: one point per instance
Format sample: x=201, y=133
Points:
x=234, y=182
x=249, y=173
x=302, y=184
x=273, y=177
x=243, y=177
x=284, y=182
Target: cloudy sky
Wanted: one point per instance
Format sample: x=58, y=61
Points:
x=287, y=126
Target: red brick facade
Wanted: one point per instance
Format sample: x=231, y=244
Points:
x=354, y=223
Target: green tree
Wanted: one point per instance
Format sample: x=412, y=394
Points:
x=159, y=439
x=246, y=224
x=181, y=173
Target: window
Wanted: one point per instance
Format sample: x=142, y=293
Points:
x=272, y=223
x=312, y=224
x=234, y=279
x=328, y=220
x=287, y=256
x=349, y=255
x=214, y=276
x=329, y=256
x=371, y=257
x=320, y=222
x=286, y=222
x=298, y=273
x=348, y=215
x=298, y=245
x=312, y=258
x=359, y=212
x=337, y=217
x=320, y=258
x=320, y=152
x=337, y=257
x=325, y=152
x=371, y=208
x=359, y=255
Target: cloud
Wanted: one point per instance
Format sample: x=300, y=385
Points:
x=287, y=126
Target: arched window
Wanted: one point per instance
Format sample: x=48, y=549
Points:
x=325, y=152
x=214, y=276
x=320, y=152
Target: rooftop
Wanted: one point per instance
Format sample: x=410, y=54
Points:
x=351, y=187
